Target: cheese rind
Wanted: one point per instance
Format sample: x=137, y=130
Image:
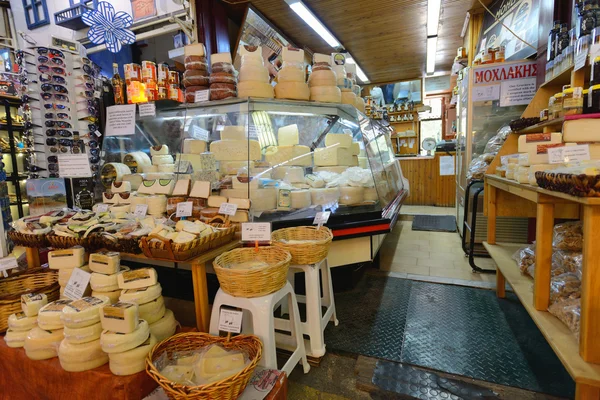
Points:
x=83, y=335
x=139, y=278
x=19, y=322
x=49, y=316
x=331, y=156
x=66, y=258
x=194, y=146
x=164, y=327
x=15, y=339
x=142, y=295
x=323, y=78
x=255, y=89
x=236, y=150
x=339, y=140
x=113, y=296
x=153, y=310
x=300, y=199
x=131, y=361
x=83, y=312
x=78, y=357
x=41, y=344
x=113, y=342
x=216, y=201
x=120, y=317
x=105, y=262
x=106, y=283
x=31, y=303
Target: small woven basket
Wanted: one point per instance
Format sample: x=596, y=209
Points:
x=313, y=251
x=28, y=240
x=255, y=282
x=226, y=389
x=37, y=280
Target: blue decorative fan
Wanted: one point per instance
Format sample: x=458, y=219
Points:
x=109, y=27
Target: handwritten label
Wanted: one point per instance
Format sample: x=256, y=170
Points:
x=102, y=208
x=147, y=110
x=256, y=231
x=184, y=209
x=565, y=154
x=200, y=133
x=321, y=218
x=77, y=285
x=140, y=210
x=228, y=209
x=486, y=93
x=120, y=120
x=230, y=321
x=517, y=92
x=74, y=166
x=201, y=95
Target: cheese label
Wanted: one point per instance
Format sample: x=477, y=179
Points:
x=138, y=274
x=543, y=148
x=84, y=303
x=56, y=306
x=538, y=137
x=117, y=310
x=61, y=253
x=20, y=315
x=284, y=199
x=28, y=298
x=130, y=291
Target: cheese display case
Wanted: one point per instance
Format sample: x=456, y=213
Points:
x=278, y=161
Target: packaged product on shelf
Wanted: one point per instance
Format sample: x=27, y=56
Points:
x=31, y=303
x=565, y=286
x=568, y=236
x=568, y=261
x=525, y=257
x=223, y=80
x=568, y=311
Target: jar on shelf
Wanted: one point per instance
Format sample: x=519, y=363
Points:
x=544, y=115
x=594, y=94
x=573, y=101
x=486, y=56
x=588, y=22
x=557, y=108
x=595, y=72
x=587, y=102
x=551, y=101
x=133, y=73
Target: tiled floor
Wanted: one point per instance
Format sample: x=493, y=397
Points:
x=427, y=210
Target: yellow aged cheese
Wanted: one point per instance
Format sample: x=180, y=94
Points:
x=120, y=317
x=49, y=315
x=164, y=327
x=326, y=94
x=137, y=279
x=288, y=135
x=153, y=310
x=83, y=312
x=292, y=90
x=255, y=89
x=32, y=302
x=113, y=342
x=236, y=150
x=352, y=195
x=77, y=357
x=21, y=322
x=300, y=198
x=113, y=296
x=297, y=155
x=324, y=196
x=83, y=335
x=106, y=283
x=131, y=361
x=41, y=344
x=142, y=295
x=323, y=78
x=15, y=339
x=331, y=156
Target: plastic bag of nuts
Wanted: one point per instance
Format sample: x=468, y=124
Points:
x=525, y=257
x=568, y=261
x=565, y=286
x=568, y=311
x=568, y=236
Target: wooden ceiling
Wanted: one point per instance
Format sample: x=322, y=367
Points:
x=386, y=37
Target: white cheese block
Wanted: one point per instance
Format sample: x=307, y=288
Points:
x=324, y=196
x=157, y=205
x=288, y=135
x=255, y=89
x=289, y=155
x=233, y=132
x=83, y=335
x=300, y=198
x=162, y=159
x=235, y=193
x=136, y=279
x=291, y=74
x=120, y=187
x=236, y=150
x=348, y=98
x=41, y=344
x=330, y=156
x=220, y=58
x=113, y=342
x=240, y=216
x=108, y=198
x=196, y=49
x=522, y=178
x=105, y=262
x=106, y=282
x=352, y=195
x=15, y=339
x=134, y=179
x=354, y=161
x=292, y=55
x=136, y=162
x=120, y=317
x=201, y=190
x=233, y=167
x=216, y=201
x=31, y=303
x=182, y=187
x=322, y=58
x=78, y=357
x=166, y=168
x=363, y=162
x=326, y=94
x=153, y=310
x=314, y=181
x=113, y=296
x=294, y=175
x=49, y=316
x=371, y=194
x=66, y=258
x=150, y=169
x=20, y=322
x=164, y=327
x=324, y=77
x=131, y=361
x=532, y=158
x=292, y=91
x=339, y=140
x=355, y=148
x=263, y=199
x=243, y=204
x=64, y=274
x=159, y=150
x=530, y=142
x=141, y=295
x=194, y=146
x=237, y=184
x=83, y=312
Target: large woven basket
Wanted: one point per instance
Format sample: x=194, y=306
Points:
x=226, y=389
x=65, y=242
x=37, y=280
x=314, y=250
x=28, y=240
x=108, y=241
x=254, y=282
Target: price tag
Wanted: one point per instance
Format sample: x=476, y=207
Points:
x=565, y=154
x=228, y=209
x=97, y=94
x=147, y=109
x=184, y=209
x=97, y=133
x=201, y=95
x=102, y=208
x=200, y=133
x=230, y=321
x=141, y=210
x=256, y=231
x=581, y=58
x=321, y=218
x=7, y=263
x=77, y=285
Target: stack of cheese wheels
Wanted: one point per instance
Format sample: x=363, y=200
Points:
x=65, y=261
x=195, y=77
x=323, y=81
x=254, y=76
x=291, y=78
x=125, y=337
x=348, y=96
x=20, y=324
x=80, y=350
x=141, y=287
x=163, y=160
x=223, y=80
x=105, y=267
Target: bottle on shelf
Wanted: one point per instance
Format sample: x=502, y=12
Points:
x=118, y=85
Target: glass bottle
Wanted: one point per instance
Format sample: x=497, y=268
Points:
x=563, y=38
x=589, y=17
x=118, y=85
x=551, y=52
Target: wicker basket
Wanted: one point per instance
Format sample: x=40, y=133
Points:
x=575, y=185
x=104, y=240
x=226, y=389
x=306, y=253
x=37, y=280
x=255, y=282
x=154, y=246
x=65, y=242
x=28, y=240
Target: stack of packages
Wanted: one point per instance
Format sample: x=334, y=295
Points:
x=81, y=350
x=291, y=78
x=533, y=156
x=195, y=77
x=141, y=287
x=348, y=95
x=105, y=267
x=40, y=343
x=20, y=324
x=323, y=81
x=65, y=261
x=162, y=160
x=254, y=76
x=223, y=79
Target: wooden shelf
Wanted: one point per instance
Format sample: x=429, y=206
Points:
x=538, y=128
x=563, y=79
x=561, y=339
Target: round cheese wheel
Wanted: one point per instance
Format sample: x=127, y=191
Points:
x=162, y=159
x=141, y=296
x=136, y=161
x=157, y=205
x=252, y=73
x=292, y=91
x=15, y=339
x=153, y=310
x=83, y=335
x=326, y=94
x=324, y=196
x=164, y=327
x=49, y=316
x=324, y=77
x=255, y=89
x=348, y=98
x=41, y=344
x=359, y=103
x=113, y=342
x=74, y=353
x=352, y=195
x=21, y=322
x=113, y=296
x=291, y=74
x=131, y=361
x=84, y=365
x=106, y=283
x=83, y=312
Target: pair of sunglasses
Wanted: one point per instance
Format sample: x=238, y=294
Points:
x=44, y=51
x=63, y=142
x=54, y=106
x=92, y=144
x=57, y=96
x=55, y=61
x=87, y=93
x=60, y=124
x=59, y=148
x=52, y=78
x=61, y=132
x=57, y=115
x=46, y=69
x=53, y=167
x=46, y=87
x=52, y=159
x=86, y=78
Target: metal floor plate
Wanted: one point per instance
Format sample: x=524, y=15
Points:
x=434, y=223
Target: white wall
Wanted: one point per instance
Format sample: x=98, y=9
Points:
x=44, y=34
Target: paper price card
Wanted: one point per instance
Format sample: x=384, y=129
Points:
x=147, y=109
x=200, y=133
x=141, y=210
x=7, y=263
x=559, y=155
x=120, y=120
x=228, y=209
x=230, y=321
x=74, y=165
x=78, y=284
x=201, y=95
x=102, y=208
x=256, y=231
x=321, y=218
x=184, y=209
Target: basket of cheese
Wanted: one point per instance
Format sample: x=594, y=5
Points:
x=252, y=272
x=184, y=241
x=200, y=366
x=32, y=231
x=306, y=244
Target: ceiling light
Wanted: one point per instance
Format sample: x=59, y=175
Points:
x=312, y=21
x=431, y=50
x=433, y=16
x=359, y=72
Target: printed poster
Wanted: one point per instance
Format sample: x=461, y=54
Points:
x=142, y=9
x=45, y=195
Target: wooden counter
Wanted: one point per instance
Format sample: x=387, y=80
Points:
x=427, y=186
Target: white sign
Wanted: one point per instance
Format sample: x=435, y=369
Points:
x=7, y=263
x=140, y=210
x=228, y=209
x=559, y=155
x=200, y=133
x=74, y=165
x=102, y=208
x=517, y=92
x=321, y=218
x=201, y=95
x=486, y=93
x=120, y=120
x=437, y=83
x=581, y=58
x=256, y=231
x=230, y=321
x=446, y=165
x=147, y=110
x=184, y=209
x=78, y=283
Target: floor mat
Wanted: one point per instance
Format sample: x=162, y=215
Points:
x=434, y=223
x=459, y=330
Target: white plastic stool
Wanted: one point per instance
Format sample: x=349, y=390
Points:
x=314, y=327
x=261, y=323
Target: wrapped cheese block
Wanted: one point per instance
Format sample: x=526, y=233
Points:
x=223, y=77
x=254, y=76
x=291, y=79
x=323, y=81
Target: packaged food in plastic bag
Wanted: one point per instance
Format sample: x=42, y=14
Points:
x=217, y=363
x=478, y=167
x=565, y=286
x=568, y=236
x=495, y=143
x=568, y=261
x=525, y=257
x=568, y=311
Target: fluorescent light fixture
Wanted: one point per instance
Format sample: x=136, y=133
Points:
x=312, y=21
x=359, y=72
x=433, y=16
x=431, y=50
